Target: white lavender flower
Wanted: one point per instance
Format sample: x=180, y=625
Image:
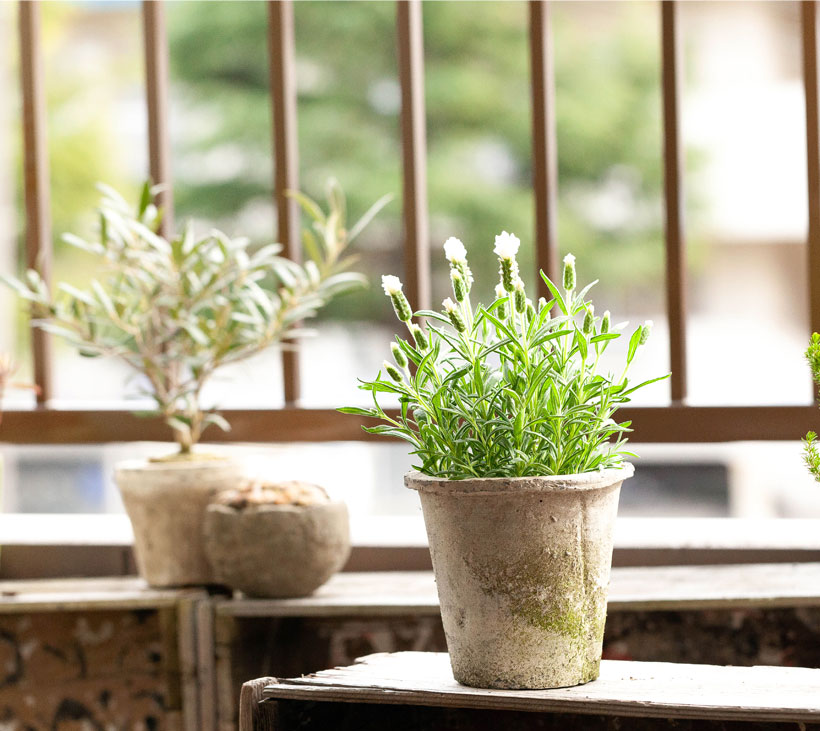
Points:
x=391, y=284
x=519, y=296
x=419, y=338
x=454, y=314
x=569, y=272
x=589, y=319
x=459, y=285
x=392, y=288
x=645, y=330
x=454, y=250
x=398, y=355
x=392, y=371
x=506, y=245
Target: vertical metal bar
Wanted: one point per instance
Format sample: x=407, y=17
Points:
x=544, y=143
x=414, y=152
x=36, y=177
x=285, y=153
x=155, y=39
x=811, y=80
x=673, y=195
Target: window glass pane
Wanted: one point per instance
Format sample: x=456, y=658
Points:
x=745, y=479
x=221, y=117
x=608, y=107
x=746, y=203
x=349, y=103
x=221, y=158
x=96, y=133
x=478, y=129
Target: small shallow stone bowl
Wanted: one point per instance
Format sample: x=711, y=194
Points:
x=276, y=550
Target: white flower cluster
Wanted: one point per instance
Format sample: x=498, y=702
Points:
x=506, y=245
x=454, y=250
x=391, y=284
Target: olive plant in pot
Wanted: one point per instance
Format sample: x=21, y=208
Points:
x=520, y=464
x=176, y=311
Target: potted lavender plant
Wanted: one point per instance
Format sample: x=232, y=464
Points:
x=520, y=463
x=176, y=311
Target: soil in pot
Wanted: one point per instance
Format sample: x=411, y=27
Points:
x=281, y=539
x=166, y=500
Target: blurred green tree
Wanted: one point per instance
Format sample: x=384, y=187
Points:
x=477, y=95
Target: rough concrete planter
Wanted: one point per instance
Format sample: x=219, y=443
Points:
x=166, y=503
x=522, y=567
x=277, y=550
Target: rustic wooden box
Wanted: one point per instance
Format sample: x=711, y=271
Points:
x=98, y=654
x=411, y=690
x=767, y=614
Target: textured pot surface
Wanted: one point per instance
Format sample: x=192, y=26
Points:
x=522, y=568
x=166, y=503
x=277, y=550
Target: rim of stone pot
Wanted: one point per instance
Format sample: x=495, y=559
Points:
x=144, y=464
x=583, y=481
x=270, y=508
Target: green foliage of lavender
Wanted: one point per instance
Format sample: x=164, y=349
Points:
x=178, y=310
x=811, y=453
x=507, y=390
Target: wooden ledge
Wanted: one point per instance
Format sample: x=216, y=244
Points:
x=632, y=589
x=404, y=593
x=72, y=595
x=651, y=690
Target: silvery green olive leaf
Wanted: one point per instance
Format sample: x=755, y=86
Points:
x=77, y=294
x=217, y=420
x=112, y=197
x=368, y=216
x=308, y=206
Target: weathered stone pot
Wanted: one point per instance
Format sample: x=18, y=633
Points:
x=522, y=568
x=277, y=550
x=166, y=502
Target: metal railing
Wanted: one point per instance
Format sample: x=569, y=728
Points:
x=674, y=423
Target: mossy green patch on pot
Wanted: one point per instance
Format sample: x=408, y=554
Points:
x=545, y=590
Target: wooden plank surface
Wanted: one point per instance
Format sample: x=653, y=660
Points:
x=205, y=666
x=54, y=595
x=631, y=589
x=414, y=592
x=650, y=424
x=714, y=587
x=624, y=688
x=187, y=644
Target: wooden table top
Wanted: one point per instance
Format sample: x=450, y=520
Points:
x=641, y=689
